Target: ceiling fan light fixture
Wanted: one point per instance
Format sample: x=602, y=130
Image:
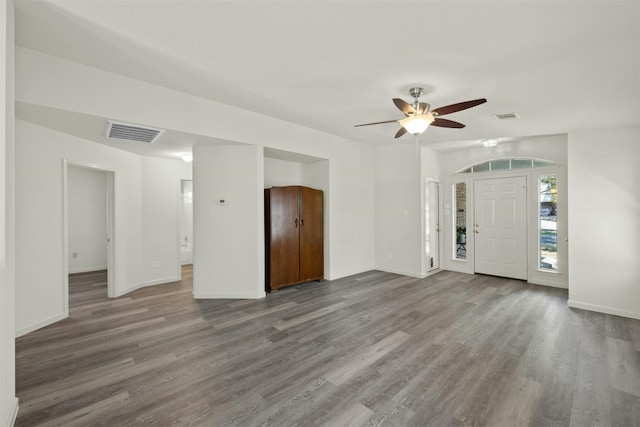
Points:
x=416, y=125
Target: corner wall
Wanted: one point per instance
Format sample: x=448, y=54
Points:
x=49, y=81
x=40, y=292
x=604, y=221
x=8, y=401
x=228, y=238
x=161, y=219
x=398, y=213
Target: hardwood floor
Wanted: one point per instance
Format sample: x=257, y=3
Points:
x=371, y=349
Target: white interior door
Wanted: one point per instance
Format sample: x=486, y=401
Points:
x=432, y=224
x=500, y=227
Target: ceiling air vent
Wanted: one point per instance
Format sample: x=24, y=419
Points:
x=131, y=132
x=506, y=116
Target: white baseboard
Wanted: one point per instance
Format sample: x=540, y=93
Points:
x=13, y=414
x=603, y=309
x=431, y=273
x=402, y=273
x=225, y=295
x=551, y=284
x=41, y=324
x=349, y=273
x=86, y=269
x=162, y=281
x=464, y=268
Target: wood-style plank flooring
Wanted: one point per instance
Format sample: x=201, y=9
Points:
x=371, y=349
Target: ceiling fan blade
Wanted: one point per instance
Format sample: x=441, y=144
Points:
x=448, y=109
x=404, y=106
x=400, y=132
x=375, y=123
x=444, y=123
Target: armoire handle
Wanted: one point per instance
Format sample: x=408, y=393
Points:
x=296, y=221
x=301, y=222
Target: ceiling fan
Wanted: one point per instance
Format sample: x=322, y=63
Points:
x=418, y=117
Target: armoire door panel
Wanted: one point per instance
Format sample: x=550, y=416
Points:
x=285, y=222
x=311, y=234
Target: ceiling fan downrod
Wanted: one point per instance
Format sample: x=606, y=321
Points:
x=416, y=92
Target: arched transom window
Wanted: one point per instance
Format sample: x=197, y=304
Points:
x=505, y=165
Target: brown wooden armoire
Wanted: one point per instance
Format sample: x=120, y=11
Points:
x=294, y=236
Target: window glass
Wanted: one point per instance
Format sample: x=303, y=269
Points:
x=500, y=165
x=521, y=163
x=482, y=167
x=460, y=220
x=548, y=235
x=541, y=163
x=505, y=165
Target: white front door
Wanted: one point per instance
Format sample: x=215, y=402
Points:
x=500, y=227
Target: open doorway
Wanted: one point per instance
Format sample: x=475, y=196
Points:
x=431, y=225
x=186, y=222
x=88, y=233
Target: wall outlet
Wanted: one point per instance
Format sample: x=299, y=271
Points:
x=74, y=255
x=156, y=264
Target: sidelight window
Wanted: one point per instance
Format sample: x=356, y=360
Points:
x=548, y=221
x=460, y=220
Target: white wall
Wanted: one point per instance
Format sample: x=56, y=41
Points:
x=553, y=148
x=280, y=173
x=50, y=81
x=87, y=219
x=229, y=239
x=316, y=175
x=398, y=239
x=604, y=221
x=8, y=401
x=161, y=218
x=39, y=224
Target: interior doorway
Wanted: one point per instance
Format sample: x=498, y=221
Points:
x=89, y=219
x=186, y=222
x=431, y=225
x=500, y=227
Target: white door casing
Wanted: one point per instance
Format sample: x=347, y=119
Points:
x=500, y=227
x=432, y=223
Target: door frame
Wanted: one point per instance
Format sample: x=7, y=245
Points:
x=111, y=212
x=179, y=235
x=527, y=226
x=439, y=227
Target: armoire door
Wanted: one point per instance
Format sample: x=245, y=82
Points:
x=311, y=235
x=285, y=223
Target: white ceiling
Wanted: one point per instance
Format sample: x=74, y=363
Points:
x=329, y=65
